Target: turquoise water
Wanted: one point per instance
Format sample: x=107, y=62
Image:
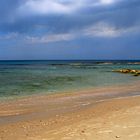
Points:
x=22, y=78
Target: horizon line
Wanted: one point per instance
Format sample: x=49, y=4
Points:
x=69, y=59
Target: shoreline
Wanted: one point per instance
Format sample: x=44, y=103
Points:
x=66, y=92
x=30, y=118
x=76, y=99
x=110, y=119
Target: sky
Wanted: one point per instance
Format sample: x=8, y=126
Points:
x=69, y=29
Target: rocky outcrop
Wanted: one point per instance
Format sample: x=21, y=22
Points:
x=132, y=71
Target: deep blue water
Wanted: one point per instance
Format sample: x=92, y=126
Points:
x=20, y=78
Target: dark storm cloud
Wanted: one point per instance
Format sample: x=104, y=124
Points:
x=121, y=14
x=93, y=25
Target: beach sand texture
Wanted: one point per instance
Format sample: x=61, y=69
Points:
x=83, y=116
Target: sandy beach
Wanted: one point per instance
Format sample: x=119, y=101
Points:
x=69, y=69
x=101, y=114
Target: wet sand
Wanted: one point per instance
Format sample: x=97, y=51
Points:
x=102, y=114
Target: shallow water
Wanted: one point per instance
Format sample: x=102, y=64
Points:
x=20, y=78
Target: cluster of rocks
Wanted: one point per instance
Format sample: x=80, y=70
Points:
x=132, y=71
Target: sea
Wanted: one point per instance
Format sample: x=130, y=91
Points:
x=37, y=77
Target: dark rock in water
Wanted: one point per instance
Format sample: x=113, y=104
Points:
x=123, y=70
x=138, y=72
x=135, y=72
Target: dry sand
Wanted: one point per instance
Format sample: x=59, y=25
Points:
x=89, y=115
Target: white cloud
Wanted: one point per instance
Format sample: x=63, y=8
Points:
x=48, y=6
x=106, y=2
x=51, y=38
x=58, y=6
x=11, y=35
x=100, y=30
x=106, y=30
